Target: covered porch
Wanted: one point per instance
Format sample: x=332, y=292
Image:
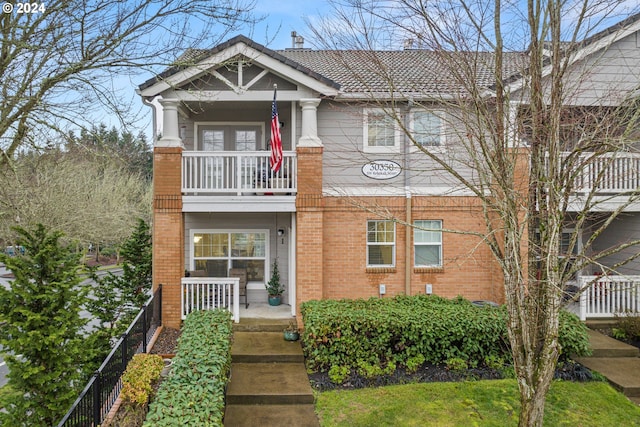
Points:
x=607, y=296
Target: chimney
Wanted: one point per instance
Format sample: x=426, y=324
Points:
x=408, y=44
x=297, y=42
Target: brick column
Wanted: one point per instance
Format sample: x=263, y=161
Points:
x=168, y=222
x=309, y=208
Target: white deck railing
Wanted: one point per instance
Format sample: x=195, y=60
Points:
x=606, y=296
x=239, y=172
x=608, y=173
x=208, y=293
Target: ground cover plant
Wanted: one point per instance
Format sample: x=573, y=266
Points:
x=193, y=393
x=372, y=341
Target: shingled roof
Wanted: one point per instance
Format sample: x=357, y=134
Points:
x=410, y=72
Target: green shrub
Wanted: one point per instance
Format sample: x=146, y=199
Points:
x=627, y=326
x=339, y=374
x=193, y=394
x=411, y=330
x=137, y=381
x=456, y=364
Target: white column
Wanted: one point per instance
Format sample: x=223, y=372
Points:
x=170, y=130
x=309, y=133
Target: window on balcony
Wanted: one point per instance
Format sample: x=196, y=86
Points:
x=217, y=252
x=229, y=136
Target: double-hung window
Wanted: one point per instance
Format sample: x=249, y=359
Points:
x=381, y=133
x=426, y=128
x=427, y=241
x=381, y=243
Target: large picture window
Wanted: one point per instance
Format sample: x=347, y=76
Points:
x=427, y=241
x=217, y=252
x=381, y=243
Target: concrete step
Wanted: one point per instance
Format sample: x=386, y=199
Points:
x=604, y=346
x=263, y=347
x=262, y=325
x=270, y=415
x=623, y=373
x=269, y=383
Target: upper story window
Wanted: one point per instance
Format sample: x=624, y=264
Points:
x=426, y=128
x=427, y=241
x=212, y=136
x=381, y=134
x=381, y=243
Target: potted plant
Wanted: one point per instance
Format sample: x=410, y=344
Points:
x=273, y=286
x=291, y=332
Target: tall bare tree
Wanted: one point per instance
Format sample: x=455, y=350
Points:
x=89, y=198
x=521, y=131
x=62, y=61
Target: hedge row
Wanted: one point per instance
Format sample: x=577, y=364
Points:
x=193, y=393
x=406, y=330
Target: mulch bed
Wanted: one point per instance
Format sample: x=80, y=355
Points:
x=167, y=342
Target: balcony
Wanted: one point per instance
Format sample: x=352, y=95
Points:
x=237, y=173
x=605, y=182
x=608, y=173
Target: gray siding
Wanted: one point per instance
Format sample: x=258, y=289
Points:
x=340, y=127
x=624, y=229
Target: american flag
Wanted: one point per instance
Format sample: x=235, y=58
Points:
x=276, y=139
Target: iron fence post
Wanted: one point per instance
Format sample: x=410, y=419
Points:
x=159, y=304
x=144, y=328
x=97, y=385
x=123, y=360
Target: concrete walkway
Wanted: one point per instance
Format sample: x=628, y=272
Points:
x=617, y=361
x=269, y=385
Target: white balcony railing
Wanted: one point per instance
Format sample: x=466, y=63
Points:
x=605, y=296
x=238, y=172
x=608, y=173
x=208, y=293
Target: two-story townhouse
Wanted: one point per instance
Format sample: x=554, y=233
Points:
x=347, y=168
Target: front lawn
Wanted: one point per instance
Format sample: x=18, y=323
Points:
x=481, y=403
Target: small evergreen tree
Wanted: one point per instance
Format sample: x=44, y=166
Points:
x=42, y=329
x=117, y=298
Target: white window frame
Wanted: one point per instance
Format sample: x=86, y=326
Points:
x=395, y=148
x=267, y=259
x=416, y=243
x=440, y=115
x=392, y=244
x=260, y=143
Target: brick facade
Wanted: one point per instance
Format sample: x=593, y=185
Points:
x=168, y=231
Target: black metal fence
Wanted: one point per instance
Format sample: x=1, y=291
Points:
x=101, y=392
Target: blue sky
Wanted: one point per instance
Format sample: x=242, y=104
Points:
x=287, y=15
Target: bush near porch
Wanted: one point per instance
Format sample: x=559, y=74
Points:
x=193, y=393
x=406, y=331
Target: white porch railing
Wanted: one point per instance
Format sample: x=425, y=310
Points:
x=208, y=293
x=608, y=173
x=240, y=172
x=605, y=296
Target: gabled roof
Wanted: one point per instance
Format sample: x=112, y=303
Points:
x=192, y=56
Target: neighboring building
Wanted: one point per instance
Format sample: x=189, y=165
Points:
x=217, y=206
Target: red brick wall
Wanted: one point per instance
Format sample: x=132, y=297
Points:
x=168, y=231
x=468, y=269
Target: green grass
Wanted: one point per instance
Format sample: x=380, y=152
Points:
x=474, y=403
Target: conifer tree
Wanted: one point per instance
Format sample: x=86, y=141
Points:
x=42, y=328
